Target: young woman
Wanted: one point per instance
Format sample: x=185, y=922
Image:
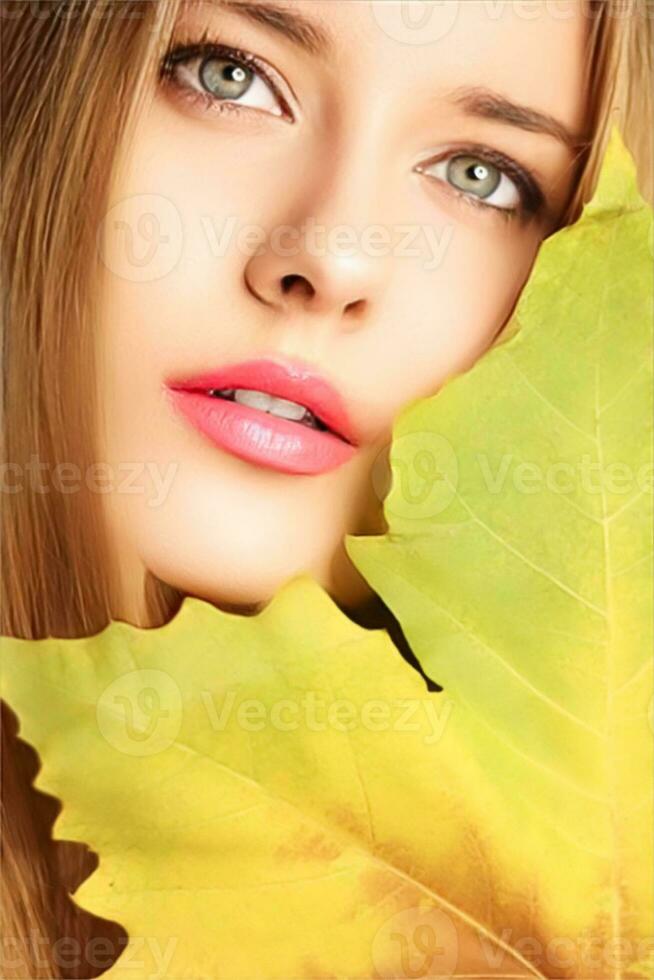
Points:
x=239, y=237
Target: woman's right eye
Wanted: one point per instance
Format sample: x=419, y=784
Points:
x=223, y=77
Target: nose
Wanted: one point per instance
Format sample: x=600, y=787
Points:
x=323, y=284
x=323, y=262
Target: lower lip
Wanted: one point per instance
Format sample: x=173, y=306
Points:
x=261, y=438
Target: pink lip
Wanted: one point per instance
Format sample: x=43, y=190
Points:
x=259, y=437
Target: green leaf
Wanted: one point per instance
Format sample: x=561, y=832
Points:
x=518, y=561
x=278, y=796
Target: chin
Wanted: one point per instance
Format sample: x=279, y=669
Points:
x=242, y=560
x=233, y=586
x=247, y=587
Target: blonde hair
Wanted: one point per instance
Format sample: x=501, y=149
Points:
x=74, y=74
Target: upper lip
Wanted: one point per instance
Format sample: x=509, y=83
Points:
x=289, y=379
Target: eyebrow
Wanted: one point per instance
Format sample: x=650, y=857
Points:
x=475, y=100
x=291, y=24
x=487, y=104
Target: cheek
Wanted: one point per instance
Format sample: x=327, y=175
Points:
x=481, y=277
x=456, y=309
x=176, y=243
x=170, y=289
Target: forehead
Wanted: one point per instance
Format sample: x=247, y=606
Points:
x=533, y=51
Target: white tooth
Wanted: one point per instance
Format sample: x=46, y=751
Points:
x=268, y=403
x=253, y=399
x=287, y=410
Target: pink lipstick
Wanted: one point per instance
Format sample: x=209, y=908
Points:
x=281, y=415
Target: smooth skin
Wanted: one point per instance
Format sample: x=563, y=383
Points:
x=371, y=127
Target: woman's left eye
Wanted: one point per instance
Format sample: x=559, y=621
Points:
x=223, y=77
x=474, y=176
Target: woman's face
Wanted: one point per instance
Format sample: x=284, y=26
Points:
x=363, y=203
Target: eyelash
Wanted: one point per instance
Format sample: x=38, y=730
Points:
x=186, y=50
x=531, y=194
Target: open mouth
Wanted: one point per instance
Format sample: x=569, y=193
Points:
x=279, y=407
x=283, y=415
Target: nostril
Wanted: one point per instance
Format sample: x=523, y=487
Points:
x=292, y=282
x=357, y=308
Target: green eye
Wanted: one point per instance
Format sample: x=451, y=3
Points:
x=473, y=176
x=477, y=178
x=225, y=79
